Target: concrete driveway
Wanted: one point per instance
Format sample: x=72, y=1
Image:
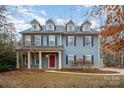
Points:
x=121, y=71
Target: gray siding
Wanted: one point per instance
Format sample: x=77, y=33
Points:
x=79, y=50
x=44, y=61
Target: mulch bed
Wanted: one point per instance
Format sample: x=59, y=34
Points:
x=22, y=72
x=87, y=70
x=80, y=70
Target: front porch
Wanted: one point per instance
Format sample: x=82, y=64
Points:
x=39, y=59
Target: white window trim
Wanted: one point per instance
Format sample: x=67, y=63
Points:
x=90, y=56
x=38, y=36
x=89, y=37
x=37, y=26
x=68, y=40
x=69, y=60
x=52, y=26
x=52, y=37
x=68, y=27
x=28, y=43
x=84, y=29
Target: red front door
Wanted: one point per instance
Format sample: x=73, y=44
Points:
x=52, y=61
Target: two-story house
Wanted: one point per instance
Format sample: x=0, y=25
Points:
x=52, y=46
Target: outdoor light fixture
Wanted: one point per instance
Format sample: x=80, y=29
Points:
x=47, y=56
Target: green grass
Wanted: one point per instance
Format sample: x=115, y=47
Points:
x=43, y=79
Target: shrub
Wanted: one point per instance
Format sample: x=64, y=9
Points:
x=7, y=58
x=82, y=63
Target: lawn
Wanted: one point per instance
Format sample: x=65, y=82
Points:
x=40, y=79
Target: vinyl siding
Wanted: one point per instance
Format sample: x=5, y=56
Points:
x=79, y=50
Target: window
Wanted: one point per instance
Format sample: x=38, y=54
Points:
x=71, y=40
x=87, y=40
x=70, y=58
x=88, y=58
x=37, y=40
x=52, y=40
x=50, y=26
x=86, y=28
x=70, y=28
x=27, y=40
x=34, y=26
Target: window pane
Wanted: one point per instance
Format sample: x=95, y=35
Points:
x=87, y=40
x=34, y=26
x=86, y=28
x=52, y=40
x=71, y=41
x=50, y=26
x=27, y=40
x=70, y=28
x=70, y=58
x=88, y=58
x=37, y=40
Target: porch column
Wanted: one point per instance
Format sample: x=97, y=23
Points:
x=60, y=60
x=29, y=60
x=60, y=40
x=17, y=60
x=40, y=59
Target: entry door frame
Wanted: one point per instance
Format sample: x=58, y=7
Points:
x=49, y=62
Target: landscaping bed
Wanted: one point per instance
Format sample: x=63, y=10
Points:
x=87, y=70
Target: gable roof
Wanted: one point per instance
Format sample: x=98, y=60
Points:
x=87, y=22
x=70, y=22
x=34, y=21
x=50, y=21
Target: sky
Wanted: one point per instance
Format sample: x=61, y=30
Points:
x=21, y=15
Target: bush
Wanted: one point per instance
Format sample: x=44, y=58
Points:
x=7, y=58
x=82, y=62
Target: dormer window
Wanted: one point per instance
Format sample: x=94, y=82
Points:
x=34, y=26
x=70, y=28
x=50, y=27
x=86, y=28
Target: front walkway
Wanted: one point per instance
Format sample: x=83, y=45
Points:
x=121, y=72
